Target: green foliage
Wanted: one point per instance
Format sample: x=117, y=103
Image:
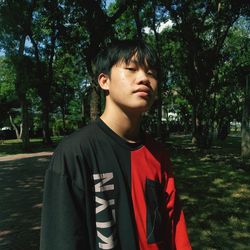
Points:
x=13, y=22
x=8, y=98
x=68, y=90
x=125, y=26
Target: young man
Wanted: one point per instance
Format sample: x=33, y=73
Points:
x=109, y=185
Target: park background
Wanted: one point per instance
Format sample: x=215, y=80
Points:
x=202, y=112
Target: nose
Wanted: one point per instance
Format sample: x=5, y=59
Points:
x=142, y=77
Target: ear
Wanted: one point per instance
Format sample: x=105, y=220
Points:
x=103, y=81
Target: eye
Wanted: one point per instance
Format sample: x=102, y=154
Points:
x=151, y=73
x=131, y=69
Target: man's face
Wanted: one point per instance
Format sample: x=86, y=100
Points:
x=131, y=87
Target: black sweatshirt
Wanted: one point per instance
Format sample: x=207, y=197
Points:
x=102, y=192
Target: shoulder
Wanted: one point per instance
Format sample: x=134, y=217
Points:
x=71, y=153
x=79, y=138
x=159, y=150
x=155, y=145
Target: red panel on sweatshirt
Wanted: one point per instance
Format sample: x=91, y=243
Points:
x=156, y=168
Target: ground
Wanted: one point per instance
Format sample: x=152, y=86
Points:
x=214, y=187
x=21, y=187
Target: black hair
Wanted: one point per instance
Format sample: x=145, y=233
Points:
x=123, y=51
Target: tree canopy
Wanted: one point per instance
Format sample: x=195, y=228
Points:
x=48, y=47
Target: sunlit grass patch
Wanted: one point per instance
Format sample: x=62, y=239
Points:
x=215, y=193
x=241, y=192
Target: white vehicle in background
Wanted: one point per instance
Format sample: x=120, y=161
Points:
x=6, y=133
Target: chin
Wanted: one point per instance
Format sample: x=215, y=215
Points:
x=141, y=108
x=137, y=107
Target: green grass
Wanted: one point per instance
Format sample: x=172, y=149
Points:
x=12, y=147
x=215, y=193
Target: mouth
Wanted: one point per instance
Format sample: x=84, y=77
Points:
x=143, y=91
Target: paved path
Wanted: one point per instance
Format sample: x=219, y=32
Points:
x=21, y=188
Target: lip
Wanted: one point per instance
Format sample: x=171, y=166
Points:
x=143, y=90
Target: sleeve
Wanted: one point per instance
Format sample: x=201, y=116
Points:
x=63, y=224
x=178, y=229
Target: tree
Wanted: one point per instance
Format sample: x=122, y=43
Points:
x=229, y=94
x=235, y=70
x=44, y=35
x=67, y=89
x=245, y=134
x=201, y=27
x=15, y=24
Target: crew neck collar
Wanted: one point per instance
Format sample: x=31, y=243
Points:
x=119, y=139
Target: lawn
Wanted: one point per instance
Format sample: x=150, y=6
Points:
x=215, y=193
x=11, y=147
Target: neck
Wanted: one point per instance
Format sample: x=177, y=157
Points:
x=125, y=125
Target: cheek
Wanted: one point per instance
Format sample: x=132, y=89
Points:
x=155, y=86
x=119, y=78
x=123, y=76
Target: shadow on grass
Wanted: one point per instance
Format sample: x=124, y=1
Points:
x=215, y=192
x=21, y=187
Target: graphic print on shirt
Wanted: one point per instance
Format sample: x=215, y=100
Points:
x=155, y=215
x=105, y=210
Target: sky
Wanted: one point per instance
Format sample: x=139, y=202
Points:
x=108, y=2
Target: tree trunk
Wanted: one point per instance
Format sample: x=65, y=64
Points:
x=45, y=122
x=25, y=124
x=136, y=10
x=21, y=92
x=18, y=135
x=45, y=84
x=245, y=127
x=159, y=113
x=194, y=123
x=21, y=130
x=160, y=131
x=223, y=128
x=94, y=104
x=46, y=94
x=63, y=113
x=201, y=127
